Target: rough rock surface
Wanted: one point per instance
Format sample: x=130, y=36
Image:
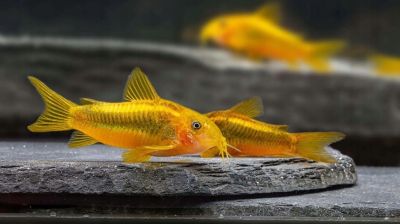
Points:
x=375, y=199
x=53, y=168
x=377, y=194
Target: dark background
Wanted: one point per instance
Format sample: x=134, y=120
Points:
x=365, y=24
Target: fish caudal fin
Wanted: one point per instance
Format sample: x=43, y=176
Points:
x=321, y=52
x=56, y=112
x=311, y=145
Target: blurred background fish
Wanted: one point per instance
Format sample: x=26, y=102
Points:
x=386, y=65
x=259, y=35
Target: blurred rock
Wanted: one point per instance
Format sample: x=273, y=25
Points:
x=360, y=105
x=53, y=168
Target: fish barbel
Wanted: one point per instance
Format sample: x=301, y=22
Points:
x=249, y=137
x=145, y=124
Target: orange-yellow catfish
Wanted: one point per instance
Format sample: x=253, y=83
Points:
x=258, y=35
x=145, y=125
x=249, y=137
x=386, y=65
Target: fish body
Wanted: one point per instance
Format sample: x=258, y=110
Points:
x=259, y=36
x=250, y=137
x=145, y=125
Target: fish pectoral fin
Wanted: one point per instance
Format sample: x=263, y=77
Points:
x=209, y=153
x=135, y=156
x=88, y=101
x=252, y=107
x=143, y=154
x=138, y=87
x=80, y=139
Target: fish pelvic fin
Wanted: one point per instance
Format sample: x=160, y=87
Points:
x=143, y=154
x=252, y=107
x=139, y=87
x=80, y=139
x=311, y=145
x=56, y=113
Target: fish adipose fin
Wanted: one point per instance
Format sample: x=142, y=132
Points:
x=252, y=107
x=138, y=87
x=143, y=154
x=56, y=113
x=88, y=101
x=80, y=139
x=280, y=127
x=311, y=145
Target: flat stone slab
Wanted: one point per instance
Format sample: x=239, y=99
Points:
x=27, y=167
x=375, y=198
x=377, y=194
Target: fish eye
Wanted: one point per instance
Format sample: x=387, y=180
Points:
x=196, y=125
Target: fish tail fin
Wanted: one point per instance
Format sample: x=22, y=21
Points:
x=56, y=113
x=321, y=52
x=312, y=145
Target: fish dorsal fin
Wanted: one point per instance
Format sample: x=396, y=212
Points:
x=138, y=87
x=252, y=107
x=80, y=139
x=87, y=101
x=271, y=11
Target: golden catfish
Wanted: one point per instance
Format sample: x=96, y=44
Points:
x=258, y=35
x=249, y=137
x=144, y=125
